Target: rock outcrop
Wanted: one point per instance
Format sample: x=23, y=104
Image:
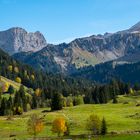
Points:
x=17, y=40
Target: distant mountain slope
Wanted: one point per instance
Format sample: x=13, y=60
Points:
x=39, y=60
x=17, y=40
x=48, y=82
x=123, y=46
x=105, y=72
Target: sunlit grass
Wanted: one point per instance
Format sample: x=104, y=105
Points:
x=117, y=117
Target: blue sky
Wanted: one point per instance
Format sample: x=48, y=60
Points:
x=64, y=20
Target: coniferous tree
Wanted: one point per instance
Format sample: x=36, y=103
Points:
x=34, y=102
x=127, y=88
x=11, y=89
x=103, y=127
x=57, y=103
x=3, y=108
x=10, y=106
x=23, y=97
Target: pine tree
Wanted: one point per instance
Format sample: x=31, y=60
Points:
x=11, y=89
x=23, y=97
x=103, y=127
x=10, y=105
x=3, y=107
x=127, y=88
x=57, y=103
x=34, y=102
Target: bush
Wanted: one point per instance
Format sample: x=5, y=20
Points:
x=94, y=124
x=67, y=132
x=69, y=101
x=78, y=100
x=34, y=125
x=17, y=110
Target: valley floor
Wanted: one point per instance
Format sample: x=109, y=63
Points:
x=121, y=118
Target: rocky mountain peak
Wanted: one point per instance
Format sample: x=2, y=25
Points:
x=136, y=27
x=17, y=29
x=17, y=39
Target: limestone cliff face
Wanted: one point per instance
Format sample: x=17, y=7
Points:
x=17, y=40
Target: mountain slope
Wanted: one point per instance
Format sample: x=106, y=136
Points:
x=17, y=40
x=39, y=60
x=105, y=72
x=123, y=46
x=10, y=82
x=49, y=83
x=88, y=51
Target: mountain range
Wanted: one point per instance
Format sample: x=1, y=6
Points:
x=32, y=48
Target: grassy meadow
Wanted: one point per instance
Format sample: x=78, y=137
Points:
x=120, y=118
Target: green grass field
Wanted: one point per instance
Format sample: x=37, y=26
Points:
x=120, y=118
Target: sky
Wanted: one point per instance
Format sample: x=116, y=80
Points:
x=64, y=20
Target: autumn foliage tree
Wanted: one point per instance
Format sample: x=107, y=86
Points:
x=18, y=79
x=34, y=125
x=10, y=68
x=16, y=69
x=59, y=126
x=38, y=92
x=94, y=124
x=5, y=87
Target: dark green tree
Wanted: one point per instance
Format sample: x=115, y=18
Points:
x=34, y=102
x=57, y=103
x=23, y=97
x=115, y=101
x=3, y=108
x=11, y=89
x=127, y=88
x=10, y=106
x=103, y=127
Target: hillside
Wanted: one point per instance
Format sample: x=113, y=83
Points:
x=105, y=72
x=48, y=82
x=10, y=82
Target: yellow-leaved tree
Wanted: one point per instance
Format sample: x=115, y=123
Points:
x=32, y=77
x=131, y=91
x=10, y=68
x=38, y=92
x=59, y=126
x=5, y=87
x=16, y=70
x=18, y=79
x=34, y=125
